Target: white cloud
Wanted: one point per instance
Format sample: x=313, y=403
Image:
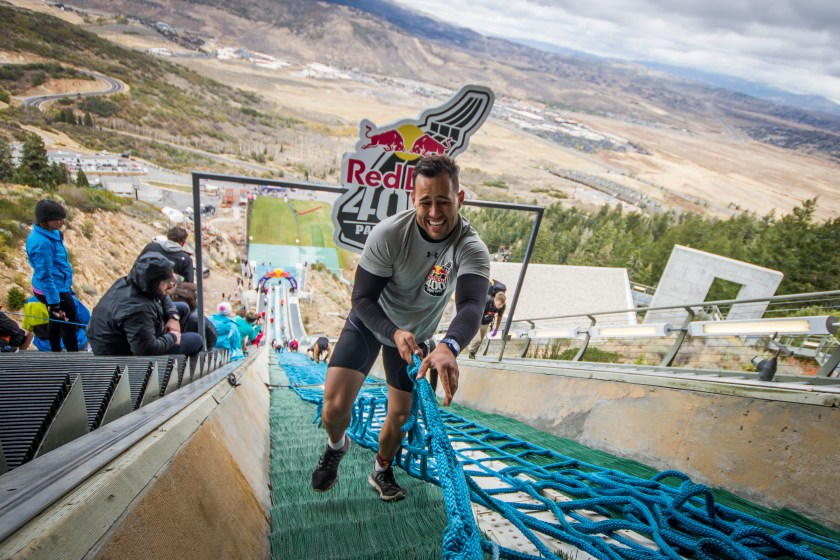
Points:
x=790, y=44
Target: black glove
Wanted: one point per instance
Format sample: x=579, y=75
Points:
x=55, y=311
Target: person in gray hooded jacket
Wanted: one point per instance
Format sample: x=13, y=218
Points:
x=172, y=247
x=137, y=317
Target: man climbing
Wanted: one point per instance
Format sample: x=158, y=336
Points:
x=320, y=349
x=494, y=309
x=410, y=265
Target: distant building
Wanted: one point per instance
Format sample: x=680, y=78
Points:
x=120, y=188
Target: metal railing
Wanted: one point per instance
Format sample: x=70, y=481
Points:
x=198, y=177
x=741, y=334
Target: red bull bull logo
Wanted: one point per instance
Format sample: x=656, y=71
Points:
x=407, y=141
x=390, y=140
x=378, y=174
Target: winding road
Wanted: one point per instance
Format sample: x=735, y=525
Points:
x=114, y=86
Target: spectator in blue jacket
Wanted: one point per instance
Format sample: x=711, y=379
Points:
x=247, y=332
x=227, y=331
x=52, y=277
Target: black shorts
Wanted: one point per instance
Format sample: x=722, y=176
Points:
x=357, y=349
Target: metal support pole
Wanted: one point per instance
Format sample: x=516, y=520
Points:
x=830, y=365
x=528, y=343
x=672, y=353
x=527, y=259
x=582, y=350
x=199, y=267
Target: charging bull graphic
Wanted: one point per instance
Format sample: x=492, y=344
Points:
x=378, y=173
x=407, y=141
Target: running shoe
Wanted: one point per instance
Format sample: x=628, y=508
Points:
x=385, y=483
x=325, y=474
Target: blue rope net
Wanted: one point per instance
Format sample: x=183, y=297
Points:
x=557, y=503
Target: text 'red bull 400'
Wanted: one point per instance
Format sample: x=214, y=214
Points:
x=378, y=173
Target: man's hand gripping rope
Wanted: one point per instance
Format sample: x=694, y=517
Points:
x=443, y=360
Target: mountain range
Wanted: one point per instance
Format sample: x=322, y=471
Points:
x=377, y=36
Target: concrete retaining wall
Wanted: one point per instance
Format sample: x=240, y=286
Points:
x=773, y=447
x=212, y=500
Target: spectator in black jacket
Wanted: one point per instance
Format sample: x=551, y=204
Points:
x=172, y=247
x=137, y=317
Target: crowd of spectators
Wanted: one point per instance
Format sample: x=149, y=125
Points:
x=149, y=312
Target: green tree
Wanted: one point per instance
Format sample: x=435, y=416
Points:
x=7, y=168
x=34, y=168
x=88, y=120
x=57, y=175
x=81, y=179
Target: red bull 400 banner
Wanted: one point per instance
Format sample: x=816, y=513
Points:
x=378, y=174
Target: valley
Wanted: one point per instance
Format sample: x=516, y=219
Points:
x=682, y=154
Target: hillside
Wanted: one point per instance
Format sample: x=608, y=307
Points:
x=377, y=36
x=166, y=109
x=670, y=141
x=103, y=245
x=330, y=304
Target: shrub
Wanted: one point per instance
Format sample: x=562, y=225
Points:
x=7, y=255
x=89, y=290
x=89, y=200
x=15, y=298
x=87, y=229
x=17, y=210
x=39, y=78
x=592, y=354
x=100, y=106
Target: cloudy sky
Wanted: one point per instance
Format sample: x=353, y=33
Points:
x=790, y=44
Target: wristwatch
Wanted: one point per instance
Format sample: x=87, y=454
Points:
x=453, y=345
x=175, y=316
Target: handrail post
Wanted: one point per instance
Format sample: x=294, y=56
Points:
x=830, y=364
x=199, y=262
x=582, y=350
x=672, y=353
x=525, y=261
x=528, y=343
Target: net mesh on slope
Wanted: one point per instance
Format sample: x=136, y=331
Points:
x=559, y=503
x=349, y=522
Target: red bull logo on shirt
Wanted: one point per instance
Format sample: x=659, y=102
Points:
x=437, y=279
x=378, y=174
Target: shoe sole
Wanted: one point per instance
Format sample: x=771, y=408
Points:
x=382, y=496
x=328, y=488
